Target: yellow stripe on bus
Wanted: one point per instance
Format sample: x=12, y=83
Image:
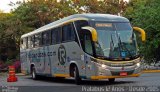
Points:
x=61, y=75
x=108, y=77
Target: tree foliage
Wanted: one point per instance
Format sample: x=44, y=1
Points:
x=33, y=14
x=145, y=14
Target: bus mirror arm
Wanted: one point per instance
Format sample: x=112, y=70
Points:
x=143, y=34
x=93, y=33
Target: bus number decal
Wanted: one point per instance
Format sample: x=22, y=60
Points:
x=62, y=55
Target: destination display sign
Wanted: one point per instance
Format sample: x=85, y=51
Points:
x=103, y=24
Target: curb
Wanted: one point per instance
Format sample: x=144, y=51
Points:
x=151, y=71
x=17, y=74
x=1, y=74
x=20, y=74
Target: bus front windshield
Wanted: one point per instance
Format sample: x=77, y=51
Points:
x=115, y=41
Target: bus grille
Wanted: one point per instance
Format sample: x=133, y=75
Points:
x=121, y=64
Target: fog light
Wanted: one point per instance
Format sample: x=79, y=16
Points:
x=138, y=64
x=104, y=66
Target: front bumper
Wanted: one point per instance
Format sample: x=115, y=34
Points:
x=103, y=71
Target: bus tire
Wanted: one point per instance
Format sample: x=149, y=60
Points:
x=76, y=76
x=111, y=80
x=33, y=73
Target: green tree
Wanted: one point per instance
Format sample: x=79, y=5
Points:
x=33, y=14
x=145, y=14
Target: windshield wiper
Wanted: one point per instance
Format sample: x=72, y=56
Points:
x=120, y=42
x=112, y=46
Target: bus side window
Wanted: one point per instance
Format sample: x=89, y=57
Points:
x=37, y=40
x=24, y=43
x=22, y=47
x=68, y=33
x=59, y=35
x=72, y=33
x=46, y=38
x=27, y=43
x=79, y=24
x=88, y=44
x=21, y=42
x=56, y=35
x=31, y=42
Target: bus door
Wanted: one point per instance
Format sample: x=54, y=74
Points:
x=88, y=48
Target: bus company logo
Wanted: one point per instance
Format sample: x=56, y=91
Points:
x=62, y=54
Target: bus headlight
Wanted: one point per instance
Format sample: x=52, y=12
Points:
x=104, y=66
x=138, y=64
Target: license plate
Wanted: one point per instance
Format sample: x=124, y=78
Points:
x=123, y=74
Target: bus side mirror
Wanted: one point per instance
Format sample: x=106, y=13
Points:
x=143, y=34
x=130, y=19
x=93, y=33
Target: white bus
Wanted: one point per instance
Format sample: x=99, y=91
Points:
x=83, y=46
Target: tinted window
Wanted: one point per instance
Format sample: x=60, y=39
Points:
x=21, y=41
x=37, y=40
x=81, y=23
x=46, y=38
x=88, y=45
x=68, y=32
x=123, y=26
x=31, y=42
x=24, y=43
x=56, y=35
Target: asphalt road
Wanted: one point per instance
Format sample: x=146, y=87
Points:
x=145, y=83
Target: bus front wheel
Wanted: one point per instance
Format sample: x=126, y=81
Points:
x=76, y=76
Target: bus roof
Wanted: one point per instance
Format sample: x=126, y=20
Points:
x=89, y=16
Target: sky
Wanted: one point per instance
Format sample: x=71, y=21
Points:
x=6, y=8
x=4, y=5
